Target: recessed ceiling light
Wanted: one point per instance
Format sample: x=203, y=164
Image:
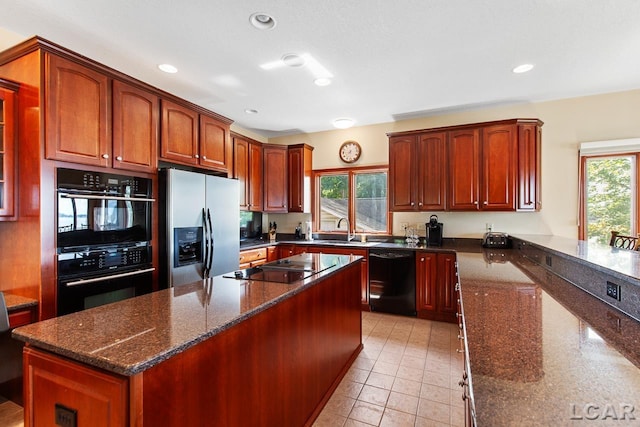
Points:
x=262, y=21
x=168, y=68
x=523, y=68
x=293, y=60
x=251, y=111
x=322, y=81
x=343, y=123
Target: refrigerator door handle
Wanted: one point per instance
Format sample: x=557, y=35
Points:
x=205, y=270
x=210, y=266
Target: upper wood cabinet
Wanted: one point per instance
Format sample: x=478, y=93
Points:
x=417, y=172
x=8, y=159
x=135, y=128
x=179, y=134
x=216, y=151
x=275, y=182
x=300, y=167
x=194, y=139
x=247, y=169
x=483, y=166
x=77, y=113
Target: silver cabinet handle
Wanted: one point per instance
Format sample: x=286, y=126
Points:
x=105, y=156
x=119, y=158
x=413, y=204
x=197, y=156
x=486, y=203
x=204, y=157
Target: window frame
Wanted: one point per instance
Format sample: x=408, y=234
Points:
x=351, y=173
x=582, y=215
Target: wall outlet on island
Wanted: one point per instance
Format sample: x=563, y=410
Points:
x=613, y=290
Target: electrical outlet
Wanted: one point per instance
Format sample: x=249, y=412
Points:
x=489, y=226
x=404, y=225
x=548, y=260
x=613, y=290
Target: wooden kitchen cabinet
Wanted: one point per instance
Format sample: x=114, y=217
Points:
x=272, y=253
x=135, y=128
x=216, y=151
x=8, y=157
x=179, y=141
x=77, y=113
x=300, y=167
x=253, y=257
x=247, y=169
x=417, y=166
x=436, y=286
x=93, y=397
x=491, y=166
x=275, y=182
x=287, y=250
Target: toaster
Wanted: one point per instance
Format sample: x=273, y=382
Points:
x=496, y=240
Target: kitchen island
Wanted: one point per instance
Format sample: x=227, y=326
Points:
x=216, y=352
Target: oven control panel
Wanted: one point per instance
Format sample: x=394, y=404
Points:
x=99, y=261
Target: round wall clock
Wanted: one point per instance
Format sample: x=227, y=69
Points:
x=350, y=151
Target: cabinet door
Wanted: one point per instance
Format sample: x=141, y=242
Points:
x=255, y=177
x=272, y=253
x=179, y=134
x=241, y=170
x=446, y=285
x=464, y=173
x=300, y=165
x=529, y=168
x=135, y=128
x=402, y=179
x=77, y=114
x=499, y=167
x=7, y=156
x=431, y=171
x=426, y=272
x=275, y=178
x=215, y=144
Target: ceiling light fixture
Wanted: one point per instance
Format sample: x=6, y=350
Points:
x=251, y=111
x=293, y=60
x=523, y=68
x=322, y=81
x=168, y=68
x=262, y=21
x=343, y=123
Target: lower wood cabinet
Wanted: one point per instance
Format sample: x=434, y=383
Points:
x=435, y=286
x=67, y=391
x=254, y=257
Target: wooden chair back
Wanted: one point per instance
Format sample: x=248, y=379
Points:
x=624, y=242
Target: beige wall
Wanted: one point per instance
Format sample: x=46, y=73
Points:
x=566, y=123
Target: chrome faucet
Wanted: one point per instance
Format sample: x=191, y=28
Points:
x=349, y=236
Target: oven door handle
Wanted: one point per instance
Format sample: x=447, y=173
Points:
x=114, y=276
x=95, y=197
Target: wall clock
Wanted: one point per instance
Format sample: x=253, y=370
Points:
x=350, y=151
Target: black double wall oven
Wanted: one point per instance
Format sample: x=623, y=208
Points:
x=103, y=238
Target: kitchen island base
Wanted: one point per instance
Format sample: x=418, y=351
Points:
x=277, y=367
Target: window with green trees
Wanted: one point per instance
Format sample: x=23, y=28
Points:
x=609, y=201
x=359, y=194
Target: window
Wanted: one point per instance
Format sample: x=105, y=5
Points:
x=608, y=191
x=358, y=194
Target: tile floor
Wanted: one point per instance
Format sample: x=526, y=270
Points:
x=406, y=375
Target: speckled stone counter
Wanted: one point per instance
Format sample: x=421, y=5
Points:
x=130, y=336
x=17, y=302
x=542, y=351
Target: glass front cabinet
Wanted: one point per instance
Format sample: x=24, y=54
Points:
x=8, y=184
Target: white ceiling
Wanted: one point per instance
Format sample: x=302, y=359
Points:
x=391, y=59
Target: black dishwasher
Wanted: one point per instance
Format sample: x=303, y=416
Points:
x=392, y=283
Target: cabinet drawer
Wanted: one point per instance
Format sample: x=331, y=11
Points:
x=20, y=318
x=253, y=255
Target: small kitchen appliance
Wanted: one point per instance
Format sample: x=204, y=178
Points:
x=494, y=239
x=434, y=231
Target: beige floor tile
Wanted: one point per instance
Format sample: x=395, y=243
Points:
x=357, y=375
x=392, y=418
x=328, y=419
x=403, y=402
x=424, y=422
x=413, y=362
x=349, y=388
x=435, y=393
x=339, y=405
x=410, y=373
x=367, y=413
x=354, y=423
x=439, y=378
x=434, y=410
x=380, y=380
x=412, y=388
x=387, y=368
x=375, y=395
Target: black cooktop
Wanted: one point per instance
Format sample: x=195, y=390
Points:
x=286, y=270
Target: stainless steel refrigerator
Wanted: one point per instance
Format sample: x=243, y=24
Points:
x=199, y=217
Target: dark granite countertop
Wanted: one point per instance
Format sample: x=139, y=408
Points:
x=18, y=302
x=542, y=351
x=130, y=336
